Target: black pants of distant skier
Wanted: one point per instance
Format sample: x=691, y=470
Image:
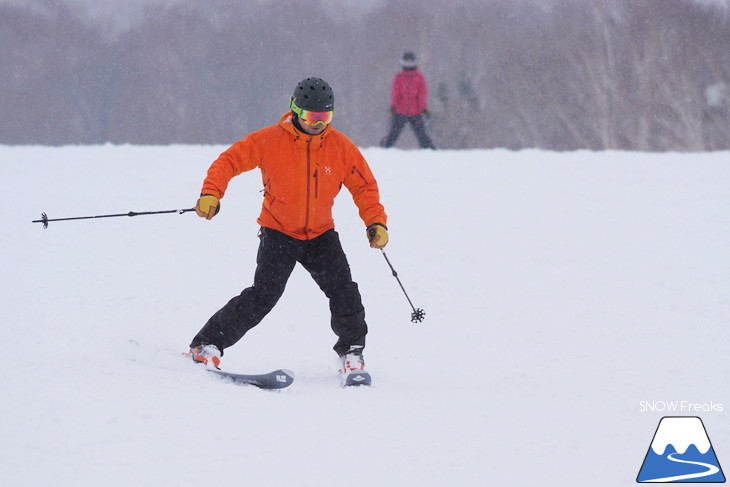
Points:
x=396, y=127
x=278, y=253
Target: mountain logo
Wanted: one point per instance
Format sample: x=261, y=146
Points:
x=680, y=452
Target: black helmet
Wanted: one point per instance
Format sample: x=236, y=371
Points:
x=314, y=94
x=408, y=60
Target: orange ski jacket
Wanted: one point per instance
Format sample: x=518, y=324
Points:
x=301, y=174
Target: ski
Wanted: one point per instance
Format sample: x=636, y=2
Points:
x=278, y=379
x=357, y=378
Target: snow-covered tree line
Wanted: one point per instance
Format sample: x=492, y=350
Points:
x=608, y=74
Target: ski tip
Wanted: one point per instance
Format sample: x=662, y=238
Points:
x=360, y=378
x=278, y=379
x=288, y=372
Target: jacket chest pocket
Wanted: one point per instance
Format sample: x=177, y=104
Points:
x=326, y=181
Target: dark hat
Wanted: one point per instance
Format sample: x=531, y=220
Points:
x=314, y=94
x=408, y=60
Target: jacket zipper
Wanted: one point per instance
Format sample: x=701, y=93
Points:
x=309, y=184
x=356, y=170
x=316, y=183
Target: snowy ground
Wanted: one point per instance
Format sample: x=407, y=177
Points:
x=561, y=290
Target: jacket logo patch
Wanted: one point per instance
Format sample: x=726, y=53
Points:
x=328, y=170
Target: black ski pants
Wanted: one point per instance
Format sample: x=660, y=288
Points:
x=396, y=127
x=278, y=253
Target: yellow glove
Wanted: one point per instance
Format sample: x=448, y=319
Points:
x=377, y=235
x=207, y=206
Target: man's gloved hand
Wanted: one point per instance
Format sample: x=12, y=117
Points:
x=391, y=111
x=207, y=206
x=377, y=235
x=427, y=113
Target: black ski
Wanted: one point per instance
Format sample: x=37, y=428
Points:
x=277, y=379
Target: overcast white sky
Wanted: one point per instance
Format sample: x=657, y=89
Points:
x=119, y=15
x=109, y=9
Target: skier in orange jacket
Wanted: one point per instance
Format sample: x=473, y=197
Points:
x=304, y=162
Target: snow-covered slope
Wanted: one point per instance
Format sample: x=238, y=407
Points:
x=560, y=291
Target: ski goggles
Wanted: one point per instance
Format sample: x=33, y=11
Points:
x=310, y=117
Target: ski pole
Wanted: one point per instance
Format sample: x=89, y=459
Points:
x=418, y=314
x=44, y=218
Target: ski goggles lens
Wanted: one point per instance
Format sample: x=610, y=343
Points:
x=313, y=118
